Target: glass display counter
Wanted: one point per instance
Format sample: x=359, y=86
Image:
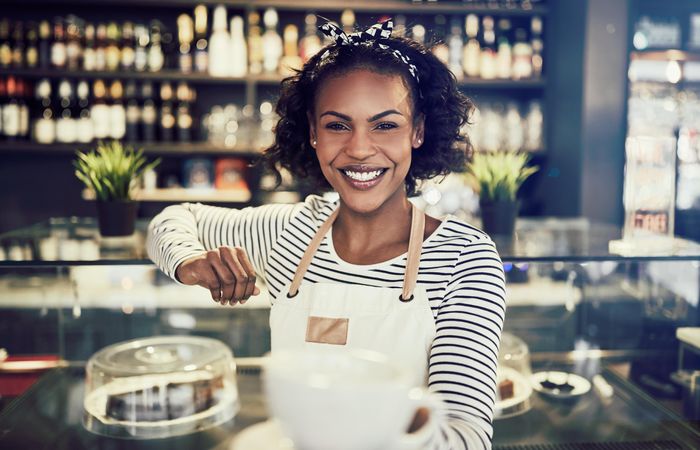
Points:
x=66, y=293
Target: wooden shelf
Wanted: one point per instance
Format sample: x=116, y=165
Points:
x=362, y=6
x=163, y=75
x=185, y=195
x=478, y=83
x=163, y=148
x=665, y=55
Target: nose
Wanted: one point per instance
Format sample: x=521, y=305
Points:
x=360, y=145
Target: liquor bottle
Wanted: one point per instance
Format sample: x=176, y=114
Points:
x=101, y=47
x=133, y=112
x=156, y=59
x=515, y=133
x=534, y=127
x=44, y=44
x=5, y=46
x=291, y=60
x=487, y=64
x=23, y=93
x=66, y=125
x=201, y=52
x=255, y=43
x=141, y=51
x=128, y=46
x=472, y=50
x=89, y=56
x=455, y=45
x=18, y=45
x=184, y=116
x=310, y=44
x=167, y=115
x=522, y=56
x=31, y=55
x=74, y=49
x=99, y=111
x=148, y=113
x=418, y=33
x=185, y=35
x=85, y=132
x=10, y=111
x=3, y=101
x=58, y=46
x=504, y=59
x=271, y=41
x=169, y=48
x=347, y=21
x=537, y=44
x=117, y=112
x=112, y=53
x=220, y=45
x=438, y=39
x=44, y=124
x=239, y=49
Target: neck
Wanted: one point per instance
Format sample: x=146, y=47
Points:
x=390, y=222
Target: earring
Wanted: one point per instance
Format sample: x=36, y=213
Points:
x=313, y=142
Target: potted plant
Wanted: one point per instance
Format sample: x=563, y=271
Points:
x=497, y=177
x=111, y=171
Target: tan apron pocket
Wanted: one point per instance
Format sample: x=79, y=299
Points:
x=327, y=330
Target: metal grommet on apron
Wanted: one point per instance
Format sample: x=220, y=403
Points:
x=343, y=315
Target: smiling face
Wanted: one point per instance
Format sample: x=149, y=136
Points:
x=363, y=131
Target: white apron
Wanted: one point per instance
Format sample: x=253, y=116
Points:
x=396, y=322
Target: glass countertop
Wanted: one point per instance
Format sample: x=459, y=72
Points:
x=76, y=241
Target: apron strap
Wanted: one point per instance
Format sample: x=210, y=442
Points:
x=415, y=246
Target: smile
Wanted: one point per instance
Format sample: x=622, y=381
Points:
x=363, y=176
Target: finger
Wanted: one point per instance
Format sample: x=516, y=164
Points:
x=250, y=271
x=209, y=280
x=226, y=278
x=231, y=259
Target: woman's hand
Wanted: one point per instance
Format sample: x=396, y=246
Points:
x=226, y=272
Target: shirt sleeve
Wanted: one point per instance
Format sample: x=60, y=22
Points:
x=464, y=354
x=187, y=230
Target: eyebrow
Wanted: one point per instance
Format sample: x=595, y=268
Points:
x=371, y=119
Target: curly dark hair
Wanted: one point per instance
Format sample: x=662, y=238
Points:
x=436, y=96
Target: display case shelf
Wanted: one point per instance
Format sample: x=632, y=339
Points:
x=162, y=148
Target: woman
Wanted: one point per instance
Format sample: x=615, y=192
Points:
x=368, y=116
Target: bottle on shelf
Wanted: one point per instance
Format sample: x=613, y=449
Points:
x=185, y=35
x=271, y=41
x=239, y=49
x=515, y=132
x=418, y=33
x=112, y=52
x=149, y=113
x=399, y=25
x=487, y=64
x=101, y=47
x=44, y=44
x=18, y=45
x=156, y=59
x=99, y=110
x=74, y=49
x=84, y=126
x=5, y=45
x=133, y=112
x=117, y=112
x=522, y=56
x=169, y=46
x=255, y=43
x=58, y=46
x=10, y=111
x=66, y=125
x=534, y=120
x=184, y=117
x=471, y=59
x=31, y=55
x=455, y=45
x=24, y=92
x=89, y=54
x=504, y=58
x=141, y=50
x=167, y=115
x=310, y=44
x=44, y=123
x=201, y=51
x=128, y=47
x=291, y=60
x=347, y=21
x=537, y=44
x=439, y=40
x=220, y=45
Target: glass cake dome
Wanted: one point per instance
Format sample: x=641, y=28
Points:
x=160, y=387
x=513, y=377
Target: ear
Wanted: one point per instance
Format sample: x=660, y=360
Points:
x=312, y=129
x=418, y=137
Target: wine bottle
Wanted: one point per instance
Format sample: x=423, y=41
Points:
x=128, y=46
x=310, y=44
x=291, y=61
x=472, y=50
x=504, y=59
x=5, y=46
x=456, y=44
x=89, y=54
x=537, y=44
x=487, y=64
x=439, y=41
x=18, y=45
x=156, y=59
x=133, y=112
x=255, y=43
x=112, y=53
x=117, y=112
x=201, y=50
x=66, y=125
x=44, y=44
x=220, y=45
x=10, y=111
x=31, y=55
x=271, y=41
x=101, y=47
x=167, y=115
x=418, y=33
x=58, y=46
x=184, y=116
x=74, y=49
x=99, y=111
x=148, y=113
x=44, y=124
x=85, y=130
x=141, y=52
x=23, y=93
x=522, y=56
x=239, y=49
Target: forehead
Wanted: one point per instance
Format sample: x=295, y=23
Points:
x=364, y=92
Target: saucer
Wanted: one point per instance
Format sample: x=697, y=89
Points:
x=262, y=436
x=561, y=385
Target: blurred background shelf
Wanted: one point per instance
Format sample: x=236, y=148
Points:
x=185, y=195
x=160, y=148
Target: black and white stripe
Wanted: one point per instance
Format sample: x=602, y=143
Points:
x=459, y=268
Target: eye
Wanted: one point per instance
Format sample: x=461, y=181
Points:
x=386, y=126
x=336, y=126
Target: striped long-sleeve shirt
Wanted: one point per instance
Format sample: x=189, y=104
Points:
x=459, y=267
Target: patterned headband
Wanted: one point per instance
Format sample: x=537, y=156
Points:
x=372, y=36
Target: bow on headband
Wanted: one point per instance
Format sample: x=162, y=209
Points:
x=373, y=35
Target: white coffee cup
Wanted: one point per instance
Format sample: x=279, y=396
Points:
x=350, y=399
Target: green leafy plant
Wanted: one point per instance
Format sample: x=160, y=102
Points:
x=110, y=170
x=499, y=175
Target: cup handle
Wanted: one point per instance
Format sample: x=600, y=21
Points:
x=418, y=439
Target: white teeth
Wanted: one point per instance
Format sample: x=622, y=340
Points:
x=363, y=176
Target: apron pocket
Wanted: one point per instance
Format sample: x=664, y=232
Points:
x=327, y=330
